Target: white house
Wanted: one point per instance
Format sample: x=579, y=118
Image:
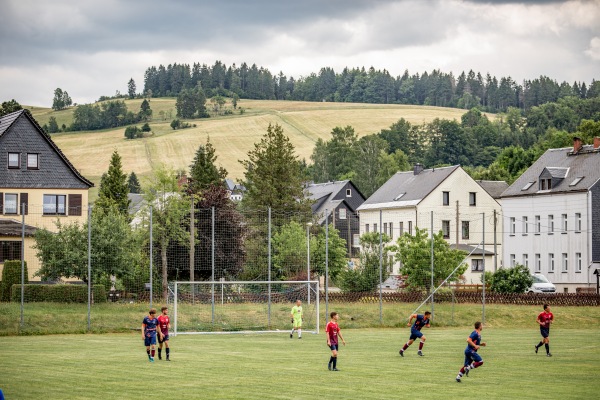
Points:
x=447, y=199
x=551, y=216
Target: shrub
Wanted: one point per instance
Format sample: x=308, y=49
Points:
x=146, y=127
x=60, y=293
x=511, y=280
x=11, y=275
x=131, y=132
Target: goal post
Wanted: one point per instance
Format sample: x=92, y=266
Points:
x=243, y=306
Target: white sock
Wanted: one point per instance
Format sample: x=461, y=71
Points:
x=292, y=332
x=299, y=333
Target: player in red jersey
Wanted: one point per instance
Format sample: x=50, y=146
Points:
x=333, y=332
x=164, y=324
x=544, y=319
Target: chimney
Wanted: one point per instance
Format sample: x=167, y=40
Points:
x=576, y=144
x=596, y=143
x=418, y=168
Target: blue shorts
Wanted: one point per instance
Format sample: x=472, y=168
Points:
x=472, y=356
x=333, y=347
x=165, y=338
x=150, y=340
x=415, y=334
x=544, y=331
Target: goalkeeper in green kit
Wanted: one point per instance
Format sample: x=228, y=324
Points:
x=297, y=319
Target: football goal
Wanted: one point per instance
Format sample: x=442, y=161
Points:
x=243, y=306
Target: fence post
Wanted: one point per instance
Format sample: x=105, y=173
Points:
x=89, y=260
x=192, y=243
x=380, y=267
x=432, y=263
x=269, y=262
x=483, y=275
x=326, y=264
x=212, y=260
x=22, y=265
x=151, y=257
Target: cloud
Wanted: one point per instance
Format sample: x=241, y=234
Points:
x=594, y=50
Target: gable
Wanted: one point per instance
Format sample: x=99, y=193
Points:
x=24, y=137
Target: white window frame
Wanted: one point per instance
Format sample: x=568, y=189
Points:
x=526, y=260
x=538, y=262
x=13, y=203
x=342, y=213
x=565, y=223
x=538, y=224
x=551, y=262
x=578, y=262
x=550, y=223
x=513, y=260
x=565, y=262
x=525, y=225
x=513, y=226
x=37, y=161
x=12, y=165
x=577, y=222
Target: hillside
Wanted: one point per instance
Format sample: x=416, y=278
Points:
x=232, y=136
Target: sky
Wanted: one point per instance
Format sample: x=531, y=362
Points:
x=93, y=48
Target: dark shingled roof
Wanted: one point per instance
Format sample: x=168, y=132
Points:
x=9, y=120
x=494, y=188
x=564, y=168
x=13, y=228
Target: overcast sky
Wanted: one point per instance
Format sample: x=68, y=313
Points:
x=92, y=48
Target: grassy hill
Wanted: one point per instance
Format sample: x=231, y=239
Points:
x=232, y=136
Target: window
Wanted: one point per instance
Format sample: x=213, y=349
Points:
x=525, y=226
x=465, y=229
x=446, y=198
x=577, y=222
x=528, y=185
x=348, y=192
x=577, y=262
x=564, y=223
x=375, y=228
x=477, y=265
x=576, y=181
x=11, y=201
x=526, y=260
x=399, y=196
x=54, y=204
x=551, y=262
x=565, y=262
x=32, y=161
x=356, y=240
x=14, y=160
x=538, y=224
x=401, y=228
x=472, y=198
x=538, y=263
x=545, y=184
x=385, y=228
x=446, y=229
x=10, y=250
x=391, y=231
x=342, y=214
x=513, y=261
x=513, y=227
x=550, y=223
x=410, y=227
x=367, y=228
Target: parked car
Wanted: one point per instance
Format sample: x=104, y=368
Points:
x=541, y=284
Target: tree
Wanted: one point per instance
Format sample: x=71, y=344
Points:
x=131, y=132
x=131, y=88
x=61, y=100
x=9, y=107
x=113, y=187
x=511, y=280
x=191, y=103
x=145, y=113
x=133, y=183
x=273, y=174
x=203, y=171
x=53, y=125
x=168, y=211
x=370, y=151
x=365, y=277
x=414, y=252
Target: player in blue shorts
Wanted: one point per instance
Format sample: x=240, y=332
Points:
x=472, y=359
x=149, y=325
x=421, y=320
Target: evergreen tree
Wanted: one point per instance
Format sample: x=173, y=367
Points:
x=53, y=125
x=203, y=171
x=145, y=110
x=131, y=88
x=113, y=187
x=133, y=183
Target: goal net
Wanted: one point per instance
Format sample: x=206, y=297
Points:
x=243, y=306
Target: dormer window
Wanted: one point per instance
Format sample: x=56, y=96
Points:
x=32, y=161
x=545, y=184
x=14, y=160
x=348, y=192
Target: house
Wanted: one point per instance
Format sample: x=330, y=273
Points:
x=37, y=180
x=446, y=199
x=339, y=201
x=551, y=216
x=235, y=190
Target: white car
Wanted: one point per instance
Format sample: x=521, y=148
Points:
x=541, y=284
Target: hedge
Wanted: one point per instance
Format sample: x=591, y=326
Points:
x=59, y=293
x=11, y=275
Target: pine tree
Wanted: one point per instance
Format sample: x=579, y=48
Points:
x=113, y=187
x=203, y=171
x=133, y=183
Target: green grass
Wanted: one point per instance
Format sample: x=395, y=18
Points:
x=271, y=366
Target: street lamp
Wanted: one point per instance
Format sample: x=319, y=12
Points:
x=308, y=225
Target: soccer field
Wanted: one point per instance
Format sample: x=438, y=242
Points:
x=272, y=366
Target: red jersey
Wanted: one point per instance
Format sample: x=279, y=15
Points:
x=332, y=330
x=163, y=324
x=545, y=318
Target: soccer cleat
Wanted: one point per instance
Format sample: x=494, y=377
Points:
x=160, y=357
x=536, y=349
x=420, y=353
x=300, y=337
x=168, y=359
x=467, y=371
x=548, y=355
x=335, y=369
x=401, y=353
x=329, y=367
x=151, y=359
x=291, y=335
x=458, y=379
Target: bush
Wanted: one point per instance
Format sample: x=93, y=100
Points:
x=511, y=280
x=146, y=127
x=60, y=293
x=131, y=132
x=11, y=275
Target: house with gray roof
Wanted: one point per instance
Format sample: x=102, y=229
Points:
x=448, y=200
x=337, y=203
x=551, y=216
x=37, y=183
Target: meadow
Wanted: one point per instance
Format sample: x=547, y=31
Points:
x=232, y=135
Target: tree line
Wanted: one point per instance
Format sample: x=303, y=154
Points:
x=360, y=85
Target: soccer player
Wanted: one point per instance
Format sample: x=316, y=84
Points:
x=332, y=330
x=164, y=324
x=149, y=325
x=472, y=359
x=297, y=319
x=421, y=320
x=544, y=319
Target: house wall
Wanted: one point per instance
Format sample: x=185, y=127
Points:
x=547, y=242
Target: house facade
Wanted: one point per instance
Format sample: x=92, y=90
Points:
x=551, y=216
x=443, y=199
x=337, y=202
x=38, y=184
